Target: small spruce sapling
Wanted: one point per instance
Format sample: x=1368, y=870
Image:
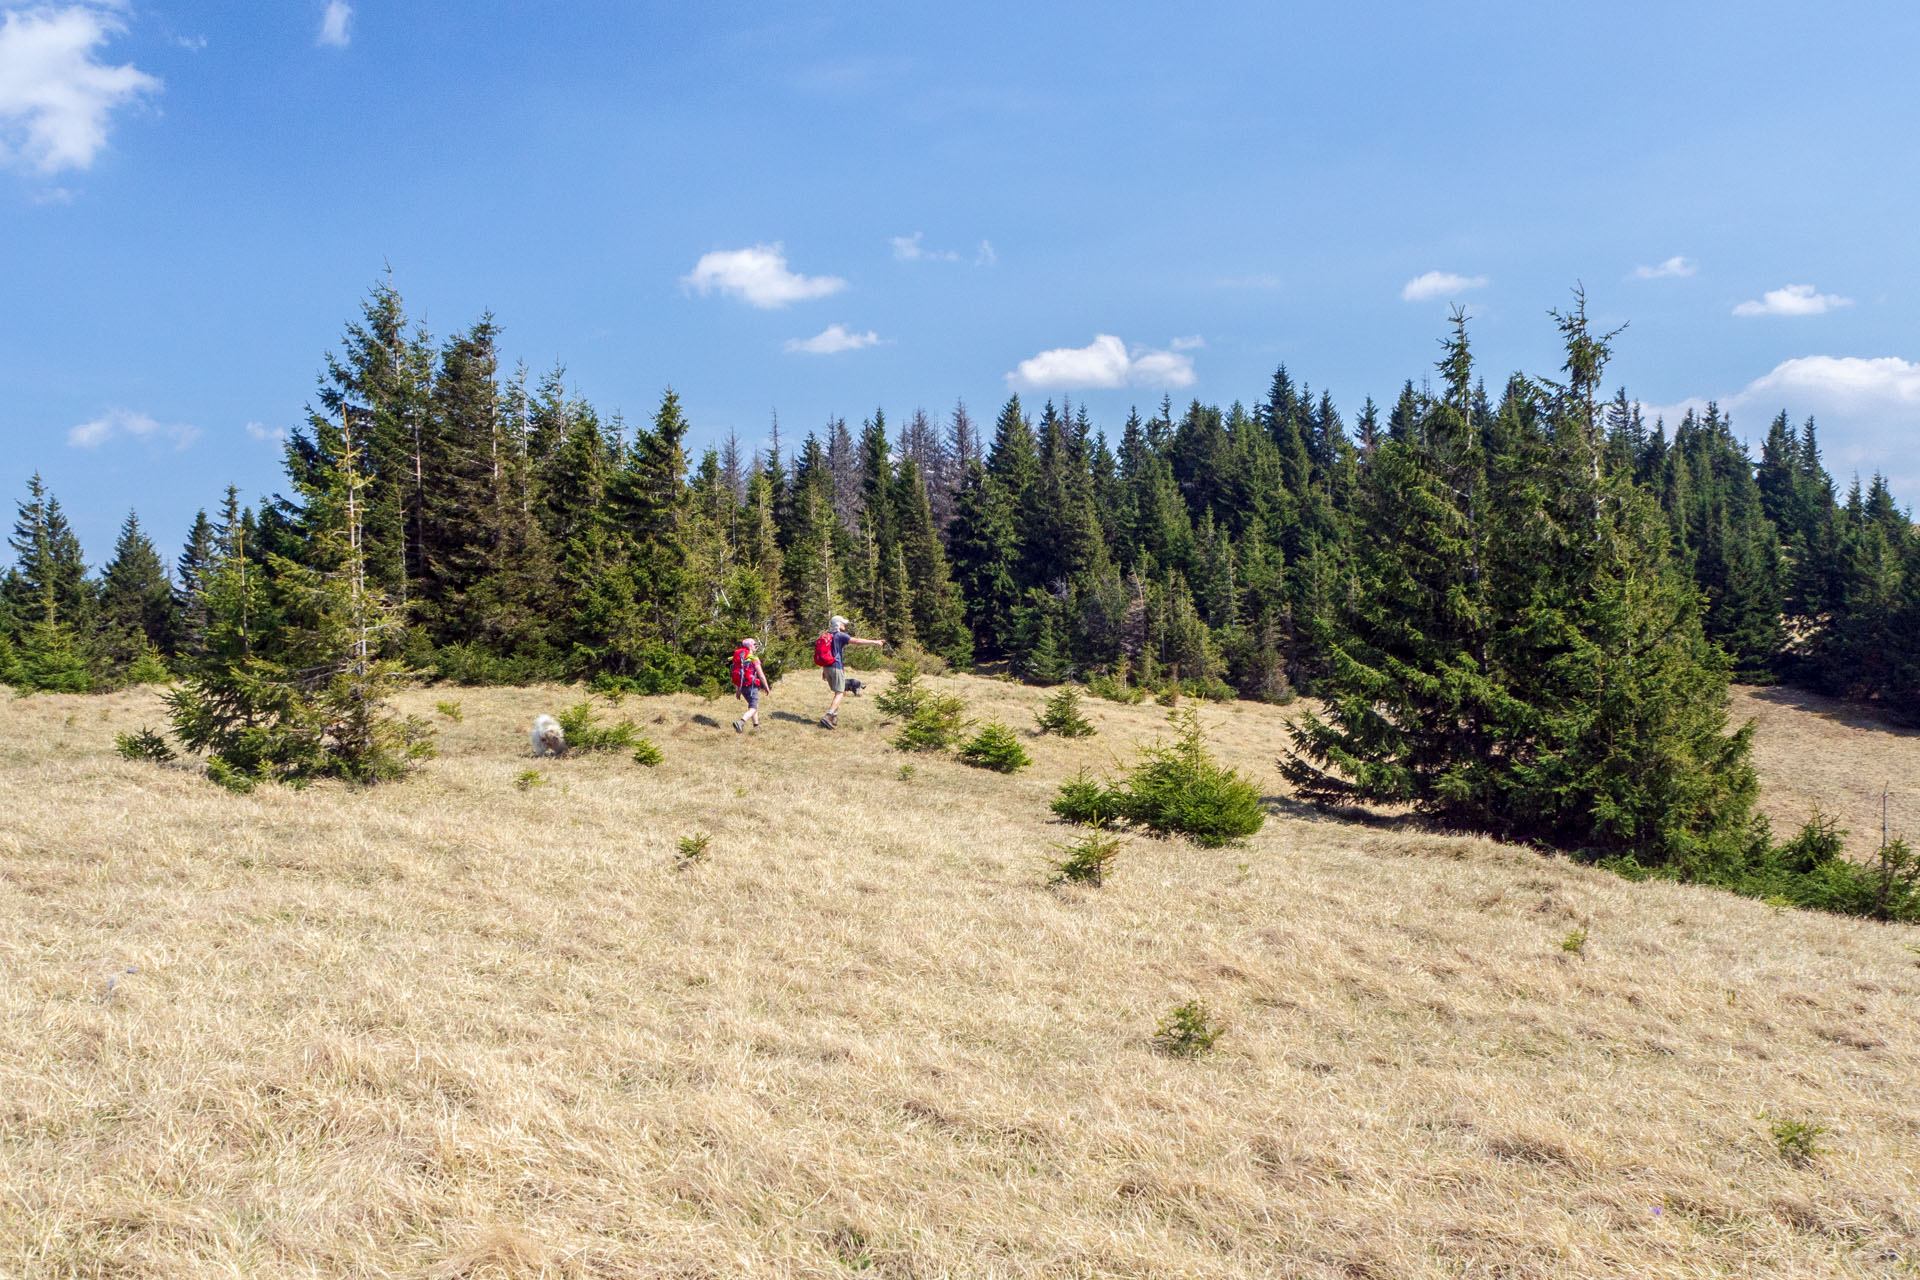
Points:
x=936, y=724
x=1797, y=1140
x=1086, y=803
x=645, y=753
x=903, y=697
x=1188, y=1031
x=1180, y=789
x=995, y=748
x=144, y=745
x=1062, y=715
x=148, y=667
x=581, y=724
x=1087, y=859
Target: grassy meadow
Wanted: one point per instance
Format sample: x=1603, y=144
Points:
x=485, y=1025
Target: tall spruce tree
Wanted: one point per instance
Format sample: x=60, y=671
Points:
x=983, y=548
x=136, y=599
x=939, y=622
x=48, y=601
x=189, y=583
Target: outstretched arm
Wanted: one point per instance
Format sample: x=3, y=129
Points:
x=858, y=640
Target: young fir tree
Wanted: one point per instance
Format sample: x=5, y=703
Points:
x=308, y=698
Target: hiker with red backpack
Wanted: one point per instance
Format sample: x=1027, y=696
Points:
x=830, y=654
x=749, y=678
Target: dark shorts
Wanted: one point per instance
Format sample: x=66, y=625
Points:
x=752, y=695
x=836, y=677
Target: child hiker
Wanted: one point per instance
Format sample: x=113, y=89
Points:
x=749, y=678
x=830, y=654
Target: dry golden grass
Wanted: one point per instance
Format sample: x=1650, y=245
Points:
x=1821, y=751
x=454, y=1028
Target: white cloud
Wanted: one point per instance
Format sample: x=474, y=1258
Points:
x=336, y=25
x=1867, y=409
x=1794, y=300
x=1438, y=284
x=260, y=431
x=831, y=341
x=1193, y=343
x=55, y=98
x=1672, y=267
x=909, y=249
x=124, y=422
x=758, y=277
x=1103, y=363
x=986, y=257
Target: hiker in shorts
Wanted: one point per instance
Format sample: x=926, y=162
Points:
x=749, y=678
x=834, y=644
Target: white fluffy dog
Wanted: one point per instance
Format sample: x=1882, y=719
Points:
x=548, y=740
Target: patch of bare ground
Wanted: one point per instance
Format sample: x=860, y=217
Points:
x=457, y=1028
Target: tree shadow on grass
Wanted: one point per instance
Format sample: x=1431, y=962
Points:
x=1306, y=811
x=1854, y=715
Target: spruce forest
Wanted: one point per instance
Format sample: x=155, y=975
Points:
x=1517, y=607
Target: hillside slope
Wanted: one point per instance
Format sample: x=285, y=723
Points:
x=459, y=1028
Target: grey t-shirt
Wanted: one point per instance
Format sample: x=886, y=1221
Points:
x=840, y=639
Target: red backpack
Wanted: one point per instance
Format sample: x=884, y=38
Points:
x=742, y=668
x=823, y=650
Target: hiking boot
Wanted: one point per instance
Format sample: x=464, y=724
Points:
x=829, y=721
x=739, y=726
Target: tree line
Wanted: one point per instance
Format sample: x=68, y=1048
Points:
x=1490, y=594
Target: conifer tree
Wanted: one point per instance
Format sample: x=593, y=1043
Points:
x=306, y=699
x=136, y=599
x=48, y=580
x=882, y=591
x=983, y=549
x=816, y=548
x=938, y=619
x=1413, y=713
x=48, y=601
x=189, y=583
x=1593, y=715
x=382, y=378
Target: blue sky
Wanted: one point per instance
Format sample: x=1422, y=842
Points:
x=822, y=209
